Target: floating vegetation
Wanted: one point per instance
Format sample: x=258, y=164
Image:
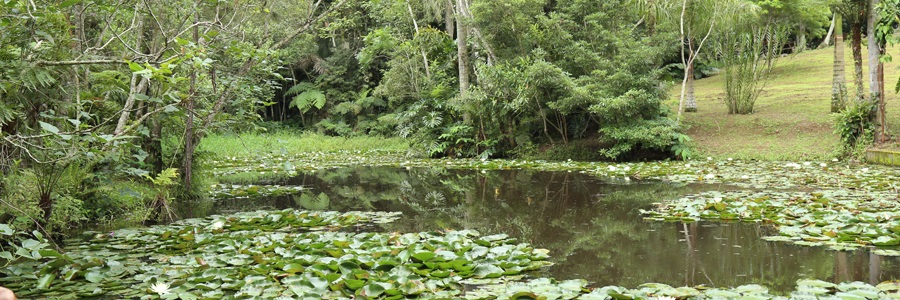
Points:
x=544, y=288
x=223, y=191
x=846, y=185
x=748, y=174
x=303, y=254
x=841, y=220
x=272, y=254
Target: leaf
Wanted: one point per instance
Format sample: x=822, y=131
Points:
x=94, y=276
x=309, y=99
x=6, y=230
x=68, y=3
x=49, y=127
x=299, y=88
x=45, y=281
x=372, y=290
x=488, y=271
x=135, y=67
x=423, y=256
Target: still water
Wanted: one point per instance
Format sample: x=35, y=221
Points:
x=592, y=228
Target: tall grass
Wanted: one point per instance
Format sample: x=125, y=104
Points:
x=292, y=142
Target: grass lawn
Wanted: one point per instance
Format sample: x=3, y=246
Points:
x=247, y=145
x=792, y=119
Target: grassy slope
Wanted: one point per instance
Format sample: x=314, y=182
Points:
x=792, y=119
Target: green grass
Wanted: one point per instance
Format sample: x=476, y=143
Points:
x=792, y=118
x=292, y=143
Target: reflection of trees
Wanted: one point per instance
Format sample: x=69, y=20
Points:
x=594, y=230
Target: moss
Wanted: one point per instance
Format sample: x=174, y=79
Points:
x=883, y=157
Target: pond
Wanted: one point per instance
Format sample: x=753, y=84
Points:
x=593, y=228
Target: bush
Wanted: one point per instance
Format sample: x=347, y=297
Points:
x=855, y=127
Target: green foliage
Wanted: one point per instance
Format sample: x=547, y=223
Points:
x=308, y=96
x=885, y=32
x=164, y=179
x=749, y=50
x=855, y=127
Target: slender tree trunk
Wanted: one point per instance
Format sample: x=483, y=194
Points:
x=463, y=12
x=189, y=126
x=416, y=26
x=856, y=44
x=801, y=42
x=834, y=21
x=462, y=53
x=874, y=49
x=839, y=81
x=449, y=20
x=135, y=88
x=690, y=98
x=876, y=72
x=684, y=60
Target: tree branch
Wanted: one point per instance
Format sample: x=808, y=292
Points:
x=80, y=62
x=306, y=26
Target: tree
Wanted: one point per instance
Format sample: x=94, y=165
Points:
x=884, y=16
x=876, y=70
x=839, y=82
x=462, y=49
x=104, y=77
x=748, y=49
x=699, y=19
x=803, y=18
x=854, y=12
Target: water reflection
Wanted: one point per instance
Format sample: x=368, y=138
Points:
x=592, y=228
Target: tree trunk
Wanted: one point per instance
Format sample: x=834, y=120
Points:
x=874, y=49
x=690, y=98
x=416, y=26
x=449, y=20
x=800, y=46
x=189, y=126
x=827, y=39
x=136, y=88
x=46, y=205
x=856, y=44
x=462, y=52
x=839, y=81
x=876, y=73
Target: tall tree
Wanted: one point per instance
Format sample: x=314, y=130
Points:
x=839, y=82
x=462, y=48
x=876, y=71
x=854, y=12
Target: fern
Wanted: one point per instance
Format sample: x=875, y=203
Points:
x=308, y=96
x=300, y=88
x=309, y=99
x=7, y=114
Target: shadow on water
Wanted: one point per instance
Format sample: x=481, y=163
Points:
x=592, y=228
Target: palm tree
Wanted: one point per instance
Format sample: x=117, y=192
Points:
x=854, y=11
x=699, y=19
x=838, y=83
x=651, y=11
